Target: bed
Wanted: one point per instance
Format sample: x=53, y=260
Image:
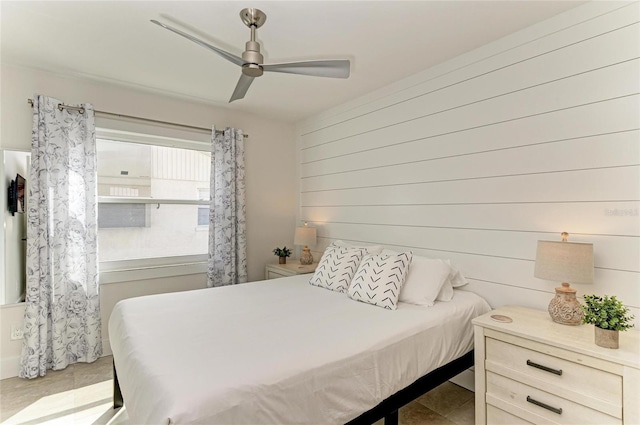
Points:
x=279, y=351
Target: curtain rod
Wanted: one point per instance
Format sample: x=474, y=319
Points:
x=111, y=114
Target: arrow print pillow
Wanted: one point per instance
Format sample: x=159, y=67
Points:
x=379, y=279
x=337, y=267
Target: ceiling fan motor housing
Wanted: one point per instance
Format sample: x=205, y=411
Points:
x=254, y=58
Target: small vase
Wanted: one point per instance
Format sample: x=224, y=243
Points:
x=282, y=260
x=606, y=337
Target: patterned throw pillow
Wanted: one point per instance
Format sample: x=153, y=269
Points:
x=337, y=267
x=379, y=279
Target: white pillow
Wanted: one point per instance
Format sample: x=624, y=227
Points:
x=371, y=249
x=337, y=267
x=455, y=277
x=379, y=279
x=446, y=292
x=426, y=279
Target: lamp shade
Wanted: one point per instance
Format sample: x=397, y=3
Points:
x=305, y=236
x=564, y=262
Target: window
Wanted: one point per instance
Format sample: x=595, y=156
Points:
x=152, y=201
x=203, y=210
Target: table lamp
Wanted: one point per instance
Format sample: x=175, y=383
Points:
x=305, y=236
x=565, y=262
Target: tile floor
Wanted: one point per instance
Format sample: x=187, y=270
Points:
x=81, y=395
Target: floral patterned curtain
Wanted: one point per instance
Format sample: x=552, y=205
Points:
x=62, y=316
x=227, y=223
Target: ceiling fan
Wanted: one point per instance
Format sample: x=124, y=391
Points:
x=252, y=61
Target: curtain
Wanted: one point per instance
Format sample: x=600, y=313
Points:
x=62, y=315
x=227, y=223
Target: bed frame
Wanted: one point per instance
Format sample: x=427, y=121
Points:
x=388, y=408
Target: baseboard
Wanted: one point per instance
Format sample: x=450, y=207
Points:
x=106, y=348
x=465, y=379
x=9, y=367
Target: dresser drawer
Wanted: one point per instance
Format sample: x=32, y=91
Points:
x=496, y=416
x=583, y=384
x=539, y=406
x=275, y=275
x=276, y=271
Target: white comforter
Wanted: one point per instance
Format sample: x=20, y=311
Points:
x=278, y=351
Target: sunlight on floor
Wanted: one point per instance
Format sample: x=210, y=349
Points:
x=90, y=405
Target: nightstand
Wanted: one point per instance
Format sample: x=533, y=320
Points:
x=535, y=371
x=274, y=271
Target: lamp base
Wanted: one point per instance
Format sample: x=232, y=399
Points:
x=564, y=308
x=306, y=258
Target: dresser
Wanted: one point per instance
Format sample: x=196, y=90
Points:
x=274, y=271
x=535, y=371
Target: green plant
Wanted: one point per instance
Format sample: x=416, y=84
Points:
x=284, y=252
x=606, y=313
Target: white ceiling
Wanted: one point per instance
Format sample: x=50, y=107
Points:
x=386, y=41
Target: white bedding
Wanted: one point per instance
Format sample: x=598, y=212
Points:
x=278, y=351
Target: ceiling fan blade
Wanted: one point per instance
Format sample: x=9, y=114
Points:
x=241, y=88
x=228, y=56
x=322, y=68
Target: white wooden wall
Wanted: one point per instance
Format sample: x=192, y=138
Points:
x=180, y=164
x=478, y=158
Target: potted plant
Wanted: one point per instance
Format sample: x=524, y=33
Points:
x=282, y=254
x=609, y=316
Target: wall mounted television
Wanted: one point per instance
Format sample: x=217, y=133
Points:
x=16, y=194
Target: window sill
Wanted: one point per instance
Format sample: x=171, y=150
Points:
x=132, y=270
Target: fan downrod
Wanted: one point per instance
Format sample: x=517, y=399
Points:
x=253, y=17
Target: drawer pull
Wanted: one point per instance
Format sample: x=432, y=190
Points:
x=545, y=368
x=544, y=406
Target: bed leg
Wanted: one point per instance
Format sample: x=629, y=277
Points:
x=391, y=418
x=117, y=395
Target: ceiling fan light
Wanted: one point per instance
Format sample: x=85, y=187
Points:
x=252, y=70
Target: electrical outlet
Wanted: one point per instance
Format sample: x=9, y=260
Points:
x=16, y=332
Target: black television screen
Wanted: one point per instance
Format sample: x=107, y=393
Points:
x=16, y=194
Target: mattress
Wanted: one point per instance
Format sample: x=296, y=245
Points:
x=277, y=351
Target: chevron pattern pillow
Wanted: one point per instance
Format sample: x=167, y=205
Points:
x=337, y=267
x=379, y=279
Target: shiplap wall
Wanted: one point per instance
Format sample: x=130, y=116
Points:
x=477, y=159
